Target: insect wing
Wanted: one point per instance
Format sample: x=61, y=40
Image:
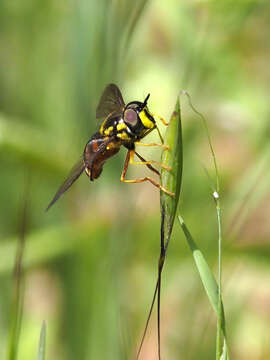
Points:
x=73, y=176
x=111, y=102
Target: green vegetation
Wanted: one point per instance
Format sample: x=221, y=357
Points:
x=88, y=267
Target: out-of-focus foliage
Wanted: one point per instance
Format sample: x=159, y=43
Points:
x=90, y=262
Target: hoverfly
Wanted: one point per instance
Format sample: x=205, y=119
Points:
x=122, y=125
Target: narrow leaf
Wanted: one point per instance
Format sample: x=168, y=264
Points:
x=207, y=278
x=18, y=278
x=171, y=180
x=216, y=195
x=42, y=342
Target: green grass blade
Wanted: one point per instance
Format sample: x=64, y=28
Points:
x=29, y=145
x=15, y=325
x=134, y=19
x=216, y=195
x=171, y=180
x=42, y=342
x=18, y=290
x=207, y=277
x=208, y=280
x=169, y=195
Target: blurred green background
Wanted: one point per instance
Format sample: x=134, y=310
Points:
x=90, y=263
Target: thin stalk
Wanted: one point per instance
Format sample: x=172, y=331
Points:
x=42, y=342
x=208, y=137
x=170, y=180
x=18, y=291
x=218, y=211
x=218, y=339
x=135, y=17
x=147, y=321
x=158, y=317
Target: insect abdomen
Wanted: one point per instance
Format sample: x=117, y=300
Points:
x=96, y=153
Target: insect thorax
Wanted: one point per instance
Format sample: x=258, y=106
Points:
x=118, y=127
x=115, y=126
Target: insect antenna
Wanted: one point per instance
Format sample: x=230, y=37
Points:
x=145, y=101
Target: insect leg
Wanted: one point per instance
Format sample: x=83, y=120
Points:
x=144, y=162
x=125, y=166
x=147, y=178
x=148, y=165
x=159, y=134
x=164, y=122
x=165, y=147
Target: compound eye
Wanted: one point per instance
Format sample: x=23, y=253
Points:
x=130, y=117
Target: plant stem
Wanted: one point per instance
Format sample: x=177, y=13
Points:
x=219, y=317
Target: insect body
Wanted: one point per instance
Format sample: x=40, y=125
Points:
x=122, y=125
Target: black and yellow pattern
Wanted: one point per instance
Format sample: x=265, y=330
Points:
x=122, y=125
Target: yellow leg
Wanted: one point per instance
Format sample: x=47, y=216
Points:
x=136, y=181
x=149, y=166
x=164, y=122
x=159, y=133
x=133, y=162
x=165, y=147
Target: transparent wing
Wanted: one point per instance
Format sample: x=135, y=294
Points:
x=73, y=176
x=111, y=101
